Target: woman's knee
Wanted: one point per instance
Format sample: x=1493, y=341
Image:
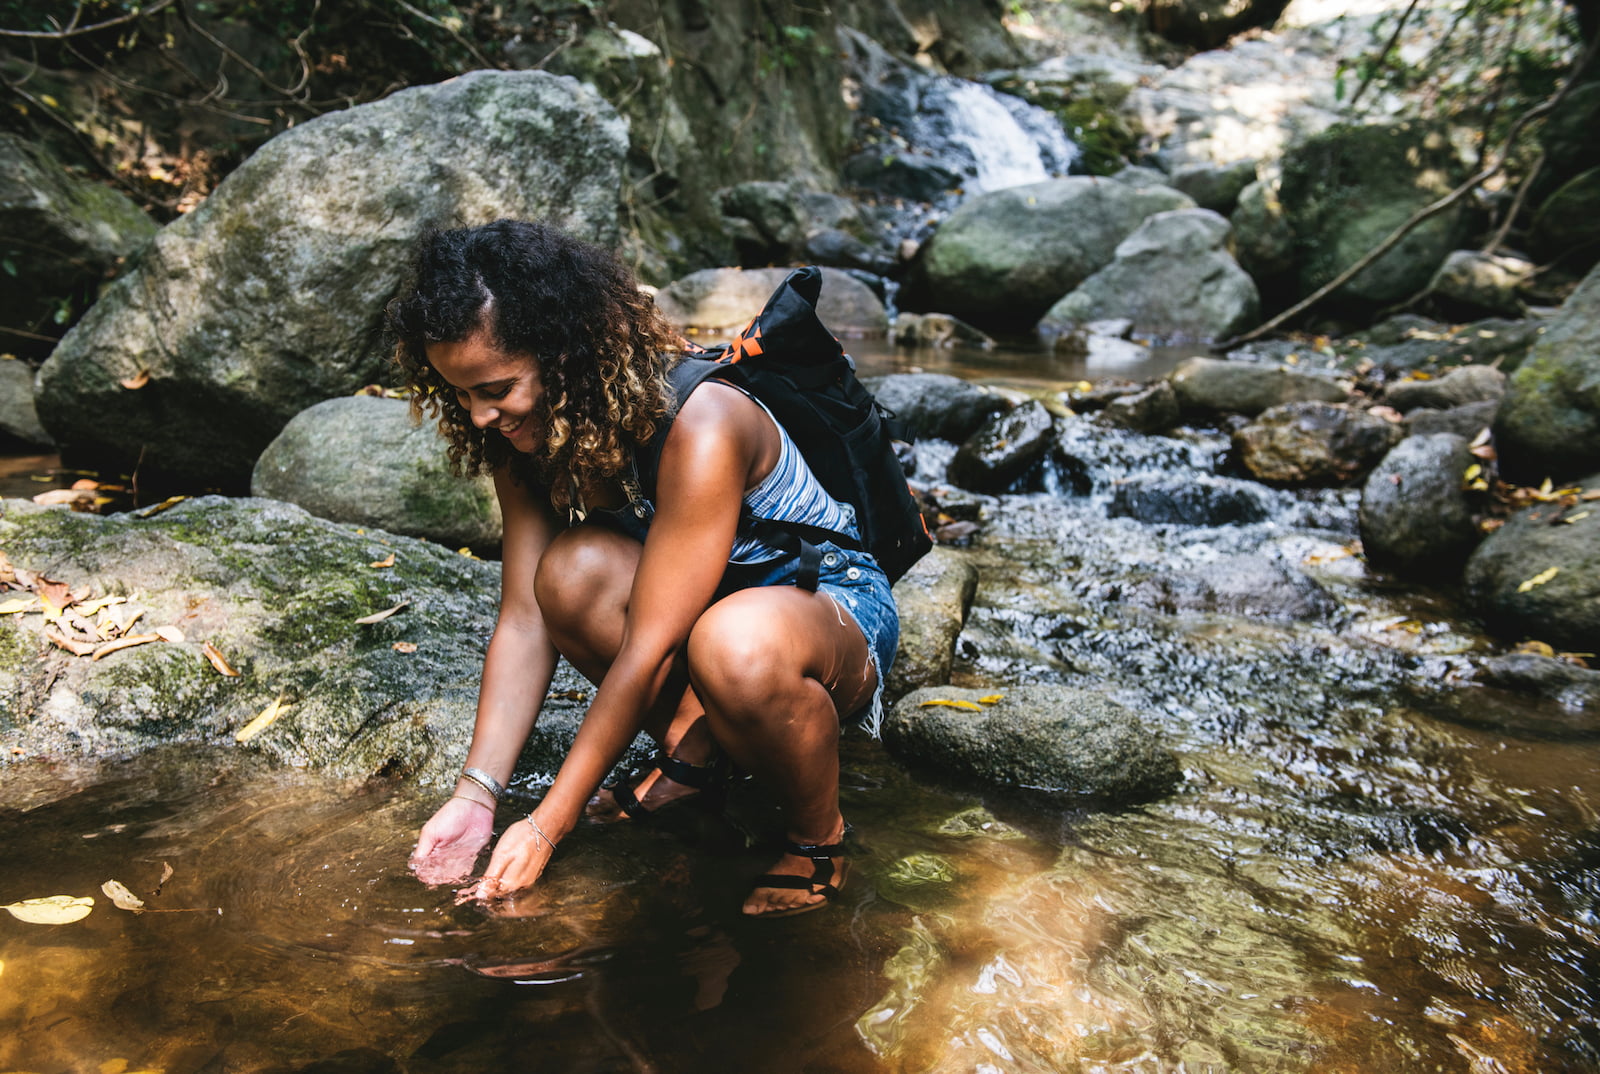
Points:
x=740, y=659
x=584, y=570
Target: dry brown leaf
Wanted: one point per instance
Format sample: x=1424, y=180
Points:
x=218, y=661
x=382, y=563
x=121, y=897
x=261, y=720
x=125, y=643
x=74, y=498
x=166, y=874
x=71, y=645
x=169, y=633
x=137, y=381
x=57, y=595
x=51, y=910
x=405, y=646
x=378, y=617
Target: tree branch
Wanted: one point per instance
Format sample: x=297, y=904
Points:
x=1388, y=46
x=76, y=31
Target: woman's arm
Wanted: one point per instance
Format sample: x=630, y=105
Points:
x=717, y=443
x=516, y=674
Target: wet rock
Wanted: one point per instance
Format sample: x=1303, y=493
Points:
x=1053, y=738
x=1207, y=386
x=1200, y=500
x=1549, y=422
x=831, y=246
x=1005, y=256
x=1152, y=410
x=1538, y=575
x=278, y=592
x=61, y=237
x=1102, y=344
x=938, y=330
x=1566, y=683
x=934, y=597
x=1172, y=278
x=935, y=404
x=1409, y=342
x=775, y=212
x=723, y=299
x=1569, y=219
x=1344, y=191
x=1463, y=421
x=1249, y=585
x=1416, y=517
x=362, y=460
x=1468, y=384
x=1314, y=443
x=1475, y=282
x=1215, y=186
x=1003, y=450
x=1141, y=178
x=18, y=417
x=269, y=297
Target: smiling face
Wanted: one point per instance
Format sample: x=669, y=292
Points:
x=498, y=389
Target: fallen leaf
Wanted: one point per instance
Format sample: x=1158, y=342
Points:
x=466, y=552
x=262, y=719
x=1570, y=519
x=166, y=874
x=71, y=645
x=70, y=497
x=992, y=699
x=1484, y=451
x=1472, y=471
x=382, y=563
x=1482, y=438
x=169, y=633
x=137, y=381
x=218, y=661
x=405, y=646
x=125, y=643
x=1535, y=648
x=121, y=897
x=93, y=606
x=156, y=509
x=970, y=706
x=1592, y=494
x=1539, y=579
x=17, y=605
x=378, y=617
x=51, y=910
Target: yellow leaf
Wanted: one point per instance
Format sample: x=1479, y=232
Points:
x=970, y=706
x=262, y=719
x=49, y=101
x=388, y=561
x=1535, y=648
x=121, y=897
x=19, y=604
x=94, y=606
x=992, y=699
x=1472, y=471
x=1539, y=579
x=1570, y=519
x=466, y=552
x=51, y=910
x=1544, y=487
x=378, y=617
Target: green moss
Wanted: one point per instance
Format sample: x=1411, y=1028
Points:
x=1104, y=138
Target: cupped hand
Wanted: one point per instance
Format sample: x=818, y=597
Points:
x=519, y=859
x=451, y=840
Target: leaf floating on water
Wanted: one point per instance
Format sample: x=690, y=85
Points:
x=262, y=719
x=387, y=561
x=1539, y=579
x=378, y=617
x=992, y=699
x=970, y=706
x=121, y=897
x=218, y=661
x=51, y=910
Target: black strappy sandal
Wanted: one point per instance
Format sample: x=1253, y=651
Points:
x=710, y=779
x=820, y=882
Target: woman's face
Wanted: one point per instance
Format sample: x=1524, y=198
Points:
x=498, y=389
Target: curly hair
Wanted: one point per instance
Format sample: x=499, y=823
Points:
x=601, y=347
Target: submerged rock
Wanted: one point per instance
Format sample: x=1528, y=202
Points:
x=363, y=460
x=1251, y=586
x=1054, y=738
x=278, y=594
x=1415, y=513
x=1538, y=575
x=1314, y=443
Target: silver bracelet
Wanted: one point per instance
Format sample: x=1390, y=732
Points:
x=540, y=831
x=484, y=780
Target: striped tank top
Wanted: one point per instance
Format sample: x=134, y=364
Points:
x=790, y=493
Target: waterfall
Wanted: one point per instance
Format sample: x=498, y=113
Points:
x=1002, y=140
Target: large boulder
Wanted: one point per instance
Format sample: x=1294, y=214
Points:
x=61, y=239
x=363, y=460
x=724, y=299
x=1206, y=386
x=1539, y=574
x=1004, y=257
x=936, y=404
x=1415, y=514
x=19, y=419
x=933, y=597
x=1172, y=278
x=1549, y=421
x=279, y=596
x=1346, y=189
x=269, y=297
x=1038, y=737
x=1314, y=443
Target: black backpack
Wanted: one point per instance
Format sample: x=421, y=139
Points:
x=787, y=359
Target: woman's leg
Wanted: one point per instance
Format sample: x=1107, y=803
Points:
x=583, y=583
x=776, y=667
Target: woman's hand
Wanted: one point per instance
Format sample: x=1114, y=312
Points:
x=451, y=840
x=518, y=861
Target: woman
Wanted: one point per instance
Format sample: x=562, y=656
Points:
x=547, y=367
